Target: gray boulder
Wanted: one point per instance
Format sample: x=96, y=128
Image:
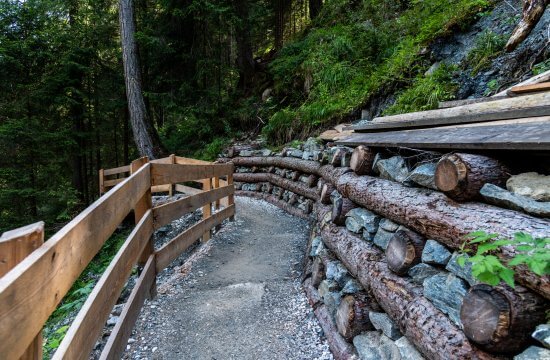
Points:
x=367, y=345
x=327, y=286
x=424, y=175
x=368, y=236
x=503, y=198
x=382, y=238
x=246, y=153
x=351, y=286
x=435, y=253
x=534, y=353
x=407, y=350
x=295, y=153
x=312, y=144
x=531, y=184
x=382, y=322
x=337, y=271
x=394, y=169
x=446, y=292
x=315, y=242
x=462, y=272
x=421, y=272
x=542, y=334
x=388, y=225
x=361, y=218
x=388, y=349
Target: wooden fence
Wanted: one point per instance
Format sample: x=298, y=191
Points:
x=37, y=276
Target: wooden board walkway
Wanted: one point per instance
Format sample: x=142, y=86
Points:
x=518, y=136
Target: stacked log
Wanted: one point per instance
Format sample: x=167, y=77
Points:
x=404, y=251
x=362, y=160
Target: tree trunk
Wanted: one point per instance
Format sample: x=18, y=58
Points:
x=362, y=160
x=275, y=201
x=277, y=180
x=145, y=134
x=532, y=12
x=404, y=251
x=500, y=320
x=314, y=8
x=461, y=176
x=245, y=59
x=433, y=215
x=352, y=316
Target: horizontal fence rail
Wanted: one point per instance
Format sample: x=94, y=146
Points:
x=40, y=275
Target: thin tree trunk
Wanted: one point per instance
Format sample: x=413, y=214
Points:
x=144, y=133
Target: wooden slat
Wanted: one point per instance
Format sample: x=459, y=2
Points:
x=187, y=189
x=101, y=182
x=32, y=290
x=544, y=77
x=171, y=174
x=188, y=161
x=225, y=201
x=166, y=160
x=523, y=89
x=16, y=245
x=207, y=208
x=116, y=344
x=231, y=198
x=88, y=324
x=529, y=136
x=171, y=211
x=111, y=183
x=117, y=170
x=512, y=108
x=161, y=188
x=454, y=103
x=216, y=184
x=170, y=251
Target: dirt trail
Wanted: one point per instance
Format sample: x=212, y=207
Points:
x=240, y=298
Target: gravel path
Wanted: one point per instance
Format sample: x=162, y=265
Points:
x=237, y=297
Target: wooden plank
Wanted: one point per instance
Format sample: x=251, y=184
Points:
x=188, y=161
x=207, y=208
x=526, y=89
x=116, y=344
x=166, y=160
x=528, y=136
x=512, y=108
x=216, y=184
x=171, y=211
x=161, y=188
x=16, y=245
x=117, y=170
x=26, y=302
x=111, y=183
x=544, y=77
x=454, y=103
x=170, y=251
x=187, y=189
x=88, y=324
x=171, y=174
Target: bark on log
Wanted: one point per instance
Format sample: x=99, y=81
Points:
x=340, y=208
x=275, y=201
x=429, y=329
x=500, y=320
x=339, y=347
x=532, y=12
x=328, y=188
x=461, y=176
x=279, y=181
x=317, y=272
x=332, y=174
x=404, y=251
x=362, y=160
x=352, y=316
x=435, y=216
x=305, y=166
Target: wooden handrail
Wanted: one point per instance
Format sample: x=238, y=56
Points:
x=32, y=290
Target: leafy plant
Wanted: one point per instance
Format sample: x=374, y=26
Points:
x=488, y=46
x=488, y=268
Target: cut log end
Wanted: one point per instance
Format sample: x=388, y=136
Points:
x=352, y=316
x=317, y=272
x=482, y=312
x=404, y=251
x=325, y=193
x=449, y=173
x=362, y=160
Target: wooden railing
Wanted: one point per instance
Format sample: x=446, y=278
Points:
x=33, y=288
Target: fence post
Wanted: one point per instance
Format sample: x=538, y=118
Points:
x=217, y=185
x=172, y=161
x=206, y=209
x=101, y=182
x=15, y=246
x=144, y=204
x=230, y=198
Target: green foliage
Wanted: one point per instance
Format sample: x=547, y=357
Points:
x=488, y=46
x=357, y=50
x=426, y=92
x=541, y=67
x=492, y=86
x=487, y=268
x=56, y=327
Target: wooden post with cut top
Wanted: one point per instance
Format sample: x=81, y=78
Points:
x=15, y=246
x=144, y=204
x=206, y=209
